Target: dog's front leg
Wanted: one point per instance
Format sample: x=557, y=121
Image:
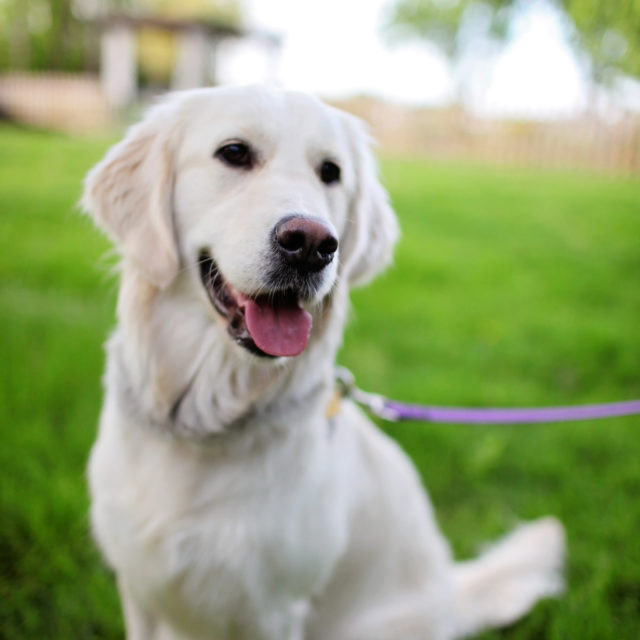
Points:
x=139, y=624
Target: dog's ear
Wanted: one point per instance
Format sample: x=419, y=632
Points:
x=129, y=196
x=372, y=228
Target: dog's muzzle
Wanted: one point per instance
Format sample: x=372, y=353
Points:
x=274, y=323
x=301, y=249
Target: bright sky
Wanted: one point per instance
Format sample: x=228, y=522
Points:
x=335, y=48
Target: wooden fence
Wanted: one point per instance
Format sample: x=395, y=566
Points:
x=76, y=103
x=60, y=101
x=581, y=142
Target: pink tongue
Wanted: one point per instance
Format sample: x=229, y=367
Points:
x=279, y=331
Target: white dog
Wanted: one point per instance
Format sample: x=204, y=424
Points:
x=230, y=502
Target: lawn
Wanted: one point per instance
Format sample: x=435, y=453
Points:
x=510, y=287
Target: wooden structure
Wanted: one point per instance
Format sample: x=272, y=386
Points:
x=195, y=61
x=69, y=102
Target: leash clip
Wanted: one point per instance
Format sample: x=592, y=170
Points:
x=377, y=404
x=345, y=381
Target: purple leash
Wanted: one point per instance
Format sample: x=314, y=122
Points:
x=398, y=411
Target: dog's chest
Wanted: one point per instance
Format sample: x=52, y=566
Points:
x=238, y=539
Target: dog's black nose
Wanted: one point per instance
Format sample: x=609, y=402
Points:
x=305, y=243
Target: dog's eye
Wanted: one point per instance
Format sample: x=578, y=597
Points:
x=329, y=172
x=236, y=154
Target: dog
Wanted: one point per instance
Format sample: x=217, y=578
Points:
x=230, y=502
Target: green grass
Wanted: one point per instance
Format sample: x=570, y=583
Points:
x=510, y=288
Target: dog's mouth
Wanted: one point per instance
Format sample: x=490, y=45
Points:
x=271, y=325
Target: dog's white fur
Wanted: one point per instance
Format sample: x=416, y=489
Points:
x=228, y=504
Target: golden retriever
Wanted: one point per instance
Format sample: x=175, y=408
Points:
x=231, y=504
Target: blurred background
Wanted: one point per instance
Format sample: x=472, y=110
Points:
x=509, y=140
x=537, y=82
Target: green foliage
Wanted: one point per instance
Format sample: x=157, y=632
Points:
x=510, y=287
x=441, y=21
x=608, y=31
x=42, y=34
x=58, y=35
x=225, y=11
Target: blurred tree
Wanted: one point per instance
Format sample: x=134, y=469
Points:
x=444, y=21
x=38, y=34
x=225, y=11
x=468, y=32
x=607, y=30
x=53, y=34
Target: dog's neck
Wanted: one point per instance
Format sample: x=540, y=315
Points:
x=182, y=374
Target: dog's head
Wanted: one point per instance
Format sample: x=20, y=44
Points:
x=268, y=198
